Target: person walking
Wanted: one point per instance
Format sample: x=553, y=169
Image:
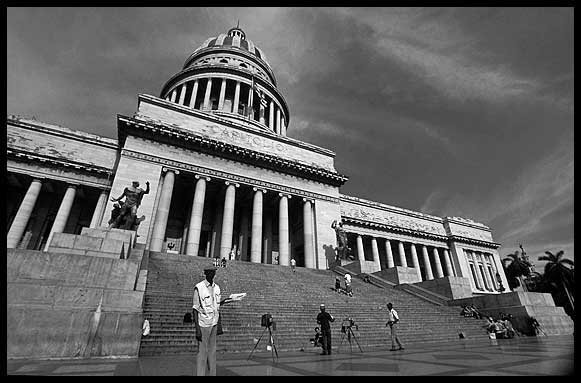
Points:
x=324, y=319
x=293, y=264
x=392, y=319
x=205, y=310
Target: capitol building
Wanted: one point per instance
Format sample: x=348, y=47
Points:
x=226, y=181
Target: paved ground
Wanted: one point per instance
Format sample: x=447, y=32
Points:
x=520, y=356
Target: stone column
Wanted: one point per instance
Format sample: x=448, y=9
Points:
x=283, y=128
x=207, y=95
x=174, y=94
x=271, y=116
x=256, y=240
x=427, y=266
x=283, y=230
x=402, y=259
x=360, y=249
x=195, y=227
x=244, y=235
x=222, y=95
x=390, y=262
x=228, y=220
x=23, y=214
x=98, y=213
x=62, y=214
x=415, y=261
x=488, y=284
x=375, y=253
x=182, y=94
x=248, y=102
x=194, y=95
x=277, y=120
x=158, y=235
x=308, y=234
x=448, y=263
x=478, y=273
x=267, y=237
x=439, y=271
x=236, y=98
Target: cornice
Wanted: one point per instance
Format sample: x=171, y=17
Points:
x=389, y=208
x=472, y=241
x=190, y=140
x=203, y=171
x=65, y=133
x=394, y=229
x=35, y=157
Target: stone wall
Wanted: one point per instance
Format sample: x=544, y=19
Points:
x=67, y=305
x=399, y=274
x=451, y=287
x=522, y=305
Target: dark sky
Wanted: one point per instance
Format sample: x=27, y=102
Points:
x=453, y=112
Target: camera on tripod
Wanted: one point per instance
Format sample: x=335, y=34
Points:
x=347, y=324
x=267, y=321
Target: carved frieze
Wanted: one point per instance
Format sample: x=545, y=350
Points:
x=391, y=219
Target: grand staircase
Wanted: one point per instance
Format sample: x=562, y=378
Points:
x=293, y=299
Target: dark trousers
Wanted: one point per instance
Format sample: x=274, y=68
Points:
x=326, y=334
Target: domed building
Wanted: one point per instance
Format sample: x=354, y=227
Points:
x=209, y=171
x=226, y=182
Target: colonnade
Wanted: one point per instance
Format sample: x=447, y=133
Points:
x=227, y=221
x=274, y=119
x=26, y=209
x=483, y=270
x=401, y=256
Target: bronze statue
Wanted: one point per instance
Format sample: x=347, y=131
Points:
x=124, y=214
x=343, y=248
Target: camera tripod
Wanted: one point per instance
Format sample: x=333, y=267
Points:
x=349, y=333
x=271, y=342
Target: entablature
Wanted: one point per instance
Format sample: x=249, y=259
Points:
x=158, y=131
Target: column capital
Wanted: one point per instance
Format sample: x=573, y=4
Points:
x=198, y=176
x=166, y=169
x=285, y=195
x=237, y=185
x=73, y=185
x=305, y=199
x=259, y=189
x=39, y=179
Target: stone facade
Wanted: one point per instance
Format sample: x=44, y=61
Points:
x=221, y=169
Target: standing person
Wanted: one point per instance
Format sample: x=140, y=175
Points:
x=293, y=264
x=392, y=319
x=205, y=309
x=324, y=319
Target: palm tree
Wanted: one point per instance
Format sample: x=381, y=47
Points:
x=516, y=269
x=557, y=272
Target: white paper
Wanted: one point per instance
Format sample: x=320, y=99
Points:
x=237, y=297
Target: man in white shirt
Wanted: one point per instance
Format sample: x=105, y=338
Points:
x=293, y=264
x=206, y=314
x=392, y=319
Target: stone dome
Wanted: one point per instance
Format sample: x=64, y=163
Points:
x=236, y=39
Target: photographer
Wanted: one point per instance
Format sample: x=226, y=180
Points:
x=324, y=319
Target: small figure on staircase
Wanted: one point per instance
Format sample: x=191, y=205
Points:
x=343, y=248
x=124, y=216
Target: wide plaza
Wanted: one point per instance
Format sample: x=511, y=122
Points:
x=523, y=356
